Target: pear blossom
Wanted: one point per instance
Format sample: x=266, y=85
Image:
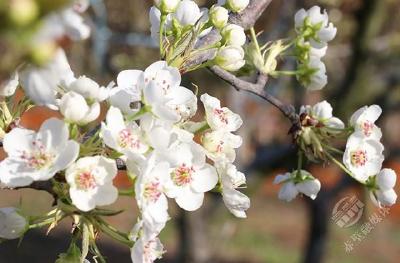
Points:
x=147, y=251
x=220, y=118
x=187, y=13
x=163, y=93
x=322, y=113
x=167, y=6
x=218, y=16
x=91, y=182
x=363, y=157
x=121, y=136
x=128, y=91
x=89, y=89
x=40, y=83
x=233, y=35
x=230, y=58
x=221, y=145
x=315, y=77
x=231, y=179
x=234, y=5
x=75, y=109
x=291, y=187
x=67, y=22
x=8, y=87
x=155, y=20
x=149, y=192
x=312, y=20
x=37, y=156
x=12, y=223
x=363, y=121
x=383, y=193
x=190, y=176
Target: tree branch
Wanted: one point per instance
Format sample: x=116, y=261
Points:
x=258, y=89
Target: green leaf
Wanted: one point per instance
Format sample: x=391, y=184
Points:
x=73, y=255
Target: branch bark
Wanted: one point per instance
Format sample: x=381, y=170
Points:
x=258, y=89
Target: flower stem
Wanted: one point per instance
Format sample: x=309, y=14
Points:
x=161, y=36
x=344, y=168
x=254, y=39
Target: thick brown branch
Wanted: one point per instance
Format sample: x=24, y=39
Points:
x=258, y=89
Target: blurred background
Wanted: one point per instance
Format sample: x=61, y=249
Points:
x=363, y=64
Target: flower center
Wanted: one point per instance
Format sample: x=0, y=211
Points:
x=128, y=140
x=38, y=158
x=221, y=115
x=367, y=128
x=182, y=175
x=359, y=158
x=152, y=192
x=85, y=181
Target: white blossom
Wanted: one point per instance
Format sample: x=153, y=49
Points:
x=363, y=157
x=322, y=30
x=233, y=35
x=220, y=118
x=89, y=89
x=163, y=93
x=149, y=193
x=363, y=121
x=40, y=83
x=187, y=13
x=322, y=112
x=218, y=16
x=315, y=78
x=122, y=136
x=167, y=6
x=8, y=87
x=231, y=179
x=291, y=188
x=384, y=194
x=12, y=223
x=91, y=182
x=128, y=91
x=37, y=156
x=221, y=145
x=190, y=176
x=230, y=58
x=147, y=251
x=234, y=5
x=76, y=109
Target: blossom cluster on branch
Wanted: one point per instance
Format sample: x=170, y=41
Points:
x=152, y=125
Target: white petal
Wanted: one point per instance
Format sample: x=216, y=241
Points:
x=67, y=156
x=236, y=202
x=281, y=178
x=205, y=179
x=309, y=188
x=386, y=198
x=386, y=179
x=288, y=192
x=57, y=131
x=189, y=200
x=24, y=137
x=106, y=195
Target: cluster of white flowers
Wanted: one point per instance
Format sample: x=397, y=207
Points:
x=156, y=140
x=364, y=156
x=179, y=19
x=149, y=126
x=313, y=34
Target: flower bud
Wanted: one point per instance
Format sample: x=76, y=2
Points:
x=167, y=6
x=230, y=58
x=234, y=35
x=218, y=16
x=314, y=74
x=12, y=224
x=234, y=5
x=85, y=86
x=23, y=12
x=8, y=87
x=75, y=109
